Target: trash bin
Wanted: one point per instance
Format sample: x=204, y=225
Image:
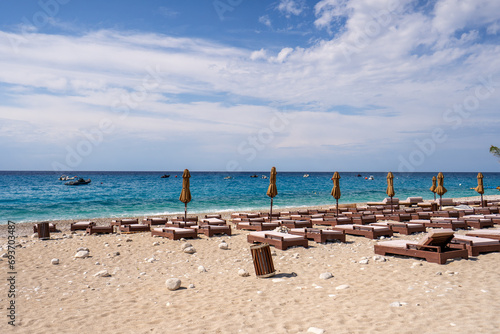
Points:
x=262, y=260
x=43, y=230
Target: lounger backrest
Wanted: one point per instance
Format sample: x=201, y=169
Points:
x=437, y=238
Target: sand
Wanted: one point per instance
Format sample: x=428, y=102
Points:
x=462, y=296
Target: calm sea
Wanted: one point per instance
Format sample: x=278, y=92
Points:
x=36, y=196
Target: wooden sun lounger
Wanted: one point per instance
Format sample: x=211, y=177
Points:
x=319, y=235
x=477, y=221
x=435, y=247
x=80, y=225
x=127, y=221
x=181, y=224
x=331, y=221
x=294, y=223
x=403, y=228
x=448, y=223
x=277, y=239
x=135, y=228
x=398, y=217
x=476, y=245
x=446, y=214
x=52, y=228
x=212, y=221
x=490, y=233
x=257, y=226
x=211, y=230
x=367, y=231
x=174, y=233
x=364, y=219
x=155, y=221
x=93, y=229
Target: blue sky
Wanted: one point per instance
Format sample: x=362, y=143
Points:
x=348, y=85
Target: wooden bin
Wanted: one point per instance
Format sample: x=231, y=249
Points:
x=262, y=260
x=43, y=230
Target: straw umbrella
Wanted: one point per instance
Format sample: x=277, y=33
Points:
x=390, y=187
x=433, y=188
x=480, y=187
x=185, y=193
x=440, y=190
x=272, y=191
x=336, y=189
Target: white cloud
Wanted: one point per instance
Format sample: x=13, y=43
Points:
x=291, y=7
x=261, y=54
x=265, y=20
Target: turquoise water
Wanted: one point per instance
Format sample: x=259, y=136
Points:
x=36, y=196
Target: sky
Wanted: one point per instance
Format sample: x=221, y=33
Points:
x=240, y=85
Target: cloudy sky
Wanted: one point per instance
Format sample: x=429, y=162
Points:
x=348, y=85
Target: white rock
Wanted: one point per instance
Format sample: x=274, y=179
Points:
x=151, y=260
x=189, y=250
x=185, y=245
x=416, y=264
x=191, y=286
x=202, y=269
x=34, y=235
x=315, y=330
x=365, y=261
x=379, y=258
x=326, y=276
x=156, y=243
x=102, y=273
x=173, y=284
x=54, y=261
x=395, y=304
x=243, y=273
x=82, y=254
x=342, y=287
x=4, y=255
x=223, y=246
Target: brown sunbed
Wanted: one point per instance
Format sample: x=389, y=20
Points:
x=181, y=224
x=277, y=239
x=135, y=228
x=435, y=247
x=364, y=219
x=443, y=222
x=155, y=221
x=211, y=230
x=126, y=221
x=490, y=233
x=331, y=221
x=402, y=227
x=257, y=226
x=212, y=221
x=319, y=235
x=80, y=225
x=398, y=217
x=367, y=231
x=294, y=223
x=476, y=245
x=52, y=228
x=174, y=233
x=99, y=229
x=477, y=221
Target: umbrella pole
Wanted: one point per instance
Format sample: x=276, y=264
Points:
x=482, y=203
x=434, y=196
x=271, y=211
x=392, y=208
x=440, y=201
x=337, y=207
x=185, y=212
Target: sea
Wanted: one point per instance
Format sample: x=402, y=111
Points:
x=33, y=196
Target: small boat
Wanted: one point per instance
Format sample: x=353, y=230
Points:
x=306, y=175
x=78, y=182
x=359, y=175
x=164, y=176
x=66, y=178
x=371, y=177
x=254, y=175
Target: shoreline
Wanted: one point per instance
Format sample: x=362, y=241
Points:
x=26, y=229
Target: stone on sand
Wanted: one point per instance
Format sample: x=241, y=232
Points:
x=173, y=284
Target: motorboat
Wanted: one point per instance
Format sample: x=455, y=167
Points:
x=164, y=176
x=254, y=175
x=78, y=182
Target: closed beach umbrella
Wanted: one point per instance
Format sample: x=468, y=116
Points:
x=433, y=188
x=390, y=187
x=336, y=189
x=185, y=193
x=272, y=191
x=480, y=187
x=440, y=190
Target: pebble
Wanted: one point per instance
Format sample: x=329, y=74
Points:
x=342, y=287
x=186, y=245
x=223, y=245
x=173, y=284
x=379, y=258
x=439, y=273
x=151, y=260
x=243, y=273
x=395, y=304
x=102, y=273
x=156, y=243
x=82, y=254
x=202, y=269
x=326, y=275
x=191, y=286
x=364, y=261
x=315, y=330
x=189, y=250
x=54, y=261
x=416, y=264
x=4, y=255
x=34, y=235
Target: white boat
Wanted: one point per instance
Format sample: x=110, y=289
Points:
x=66, y=178
x=306, y=175
x=371, y=177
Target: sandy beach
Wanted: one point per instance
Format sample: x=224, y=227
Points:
x=398, y=295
